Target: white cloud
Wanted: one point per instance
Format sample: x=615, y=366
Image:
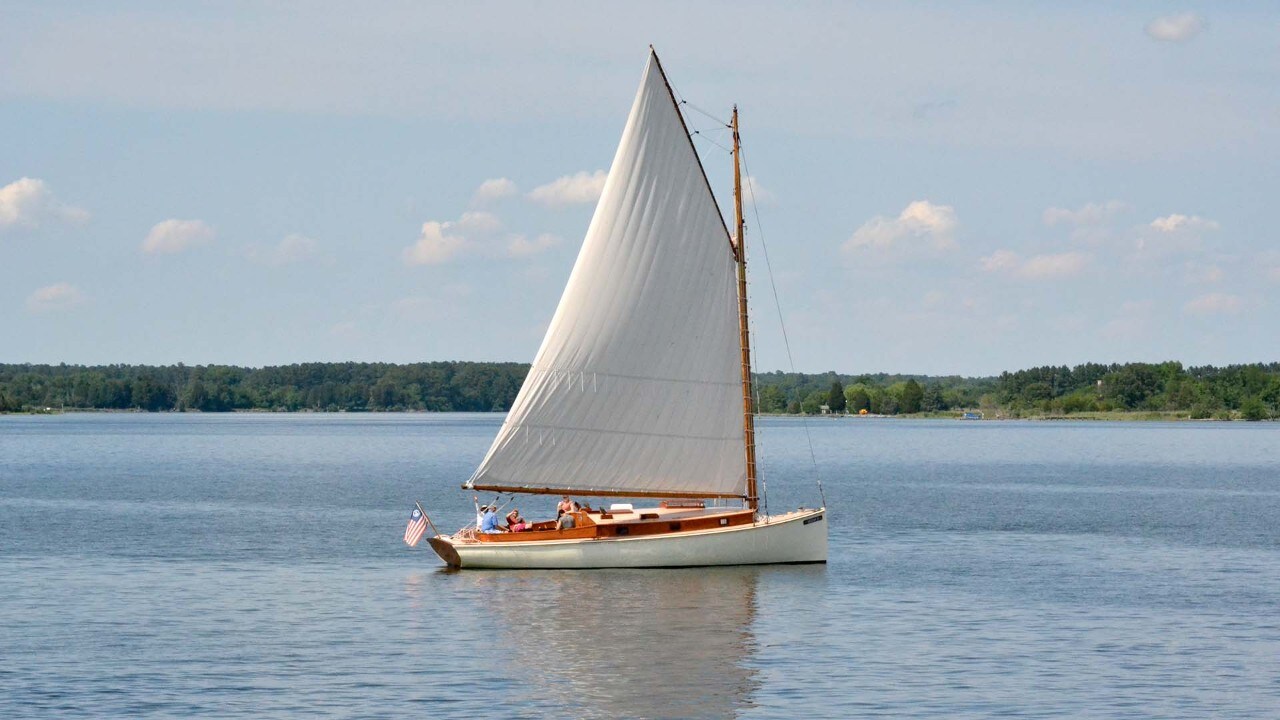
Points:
x=494, y=189
x=1000, y=261
x=292, y=249
x=436, y=245
x=174, y=236
x=921, y=219
x=441, y=242
x=520, y=246
x=1178, y=223
x=28, y=202
x=1089, y=214
x=1214, y=304
x=1036, y=267
x=1053, y=266
x=754, y=190
x=1176, y=233
x=479, y=223
x=581, y=187
x=1176, y=28
x=58, y=296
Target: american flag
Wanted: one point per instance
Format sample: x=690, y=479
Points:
x=417, y=526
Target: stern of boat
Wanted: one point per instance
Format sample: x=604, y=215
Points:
x=443, y=546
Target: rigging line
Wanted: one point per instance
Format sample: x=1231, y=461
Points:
x=704, y=112
x=695, y=107
x=813, y=458
x=698, y=134
x=718, y=132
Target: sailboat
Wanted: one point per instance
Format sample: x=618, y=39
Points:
x=642, y=387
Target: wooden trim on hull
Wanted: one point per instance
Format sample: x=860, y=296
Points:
x=599, y=493
x=640, y=526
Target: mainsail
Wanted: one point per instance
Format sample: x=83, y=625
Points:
x=637, y=389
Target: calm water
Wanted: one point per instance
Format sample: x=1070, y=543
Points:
x=251, y=565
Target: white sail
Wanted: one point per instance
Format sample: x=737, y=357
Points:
x=637, y=385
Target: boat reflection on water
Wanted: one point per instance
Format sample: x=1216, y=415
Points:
x=629, y=643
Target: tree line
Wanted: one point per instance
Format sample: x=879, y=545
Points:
x=1248, y=391
x=353, y=387
x=878, y=394
x=1251, y=392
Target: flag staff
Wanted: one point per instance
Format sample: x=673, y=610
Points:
x=428, y=517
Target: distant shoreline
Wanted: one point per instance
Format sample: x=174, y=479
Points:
x=1091, y=391
x=1113, y=416
x=1110, y=416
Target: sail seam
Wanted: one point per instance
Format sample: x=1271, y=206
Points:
x=668, y=436
x=552, y=371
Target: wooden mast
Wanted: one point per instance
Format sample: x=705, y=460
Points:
x=740, y=248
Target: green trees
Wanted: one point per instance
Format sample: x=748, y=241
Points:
x=878, y=394
x=150, y=393
x=1079, y=401
x=932, y=400
x=857, y=399
x=1254, y=409
x=835, y=397
x=1203, y=392
x=1132, y=386
x=812, y=405
x=912, y=397
x=309, y=386
x=772, y=400
x=886, y=401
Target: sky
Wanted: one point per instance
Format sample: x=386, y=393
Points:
x=942, y=187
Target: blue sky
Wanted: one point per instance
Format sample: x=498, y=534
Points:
x=944, y=187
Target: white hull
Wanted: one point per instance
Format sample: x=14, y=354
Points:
x=796, y=537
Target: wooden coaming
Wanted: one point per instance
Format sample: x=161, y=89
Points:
x=632, y=524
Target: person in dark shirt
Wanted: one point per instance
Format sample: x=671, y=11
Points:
x=568, y=519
